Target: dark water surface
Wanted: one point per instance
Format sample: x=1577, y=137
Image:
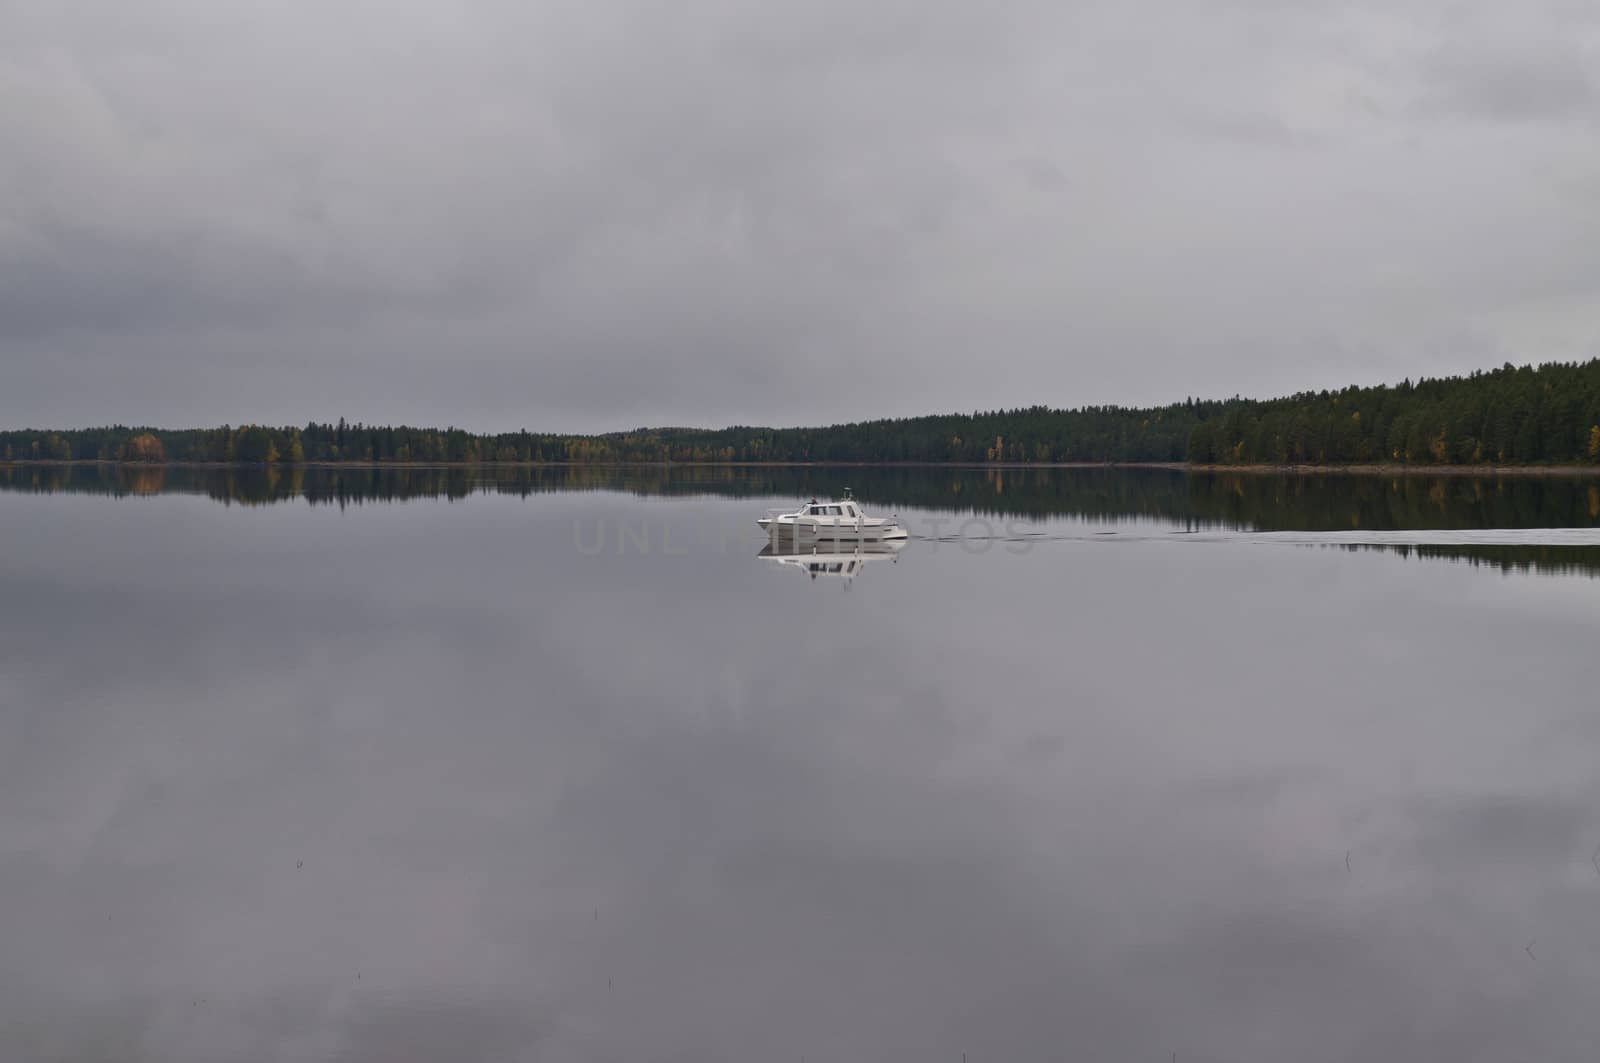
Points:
x=553, y=766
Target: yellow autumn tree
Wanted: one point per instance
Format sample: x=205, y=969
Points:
x=143, y=447
x=1438, y=448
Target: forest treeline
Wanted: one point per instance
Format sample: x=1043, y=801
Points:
x=1549, y=414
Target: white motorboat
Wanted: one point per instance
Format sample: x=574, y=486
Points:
x=840, y=519
x=837, y=559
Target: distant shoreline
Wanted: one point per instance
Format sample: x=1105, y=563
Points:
x=1386, y=469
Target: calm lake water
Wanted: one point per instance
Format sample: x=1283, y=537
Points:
x=555, y=766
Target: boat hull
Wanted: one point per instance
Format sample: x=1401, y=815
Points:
x=818, y=531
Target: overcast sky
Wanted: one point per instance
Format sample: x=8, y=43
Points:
x=588, y=214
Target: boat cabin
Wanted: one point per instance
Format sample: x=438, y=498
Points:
x=845, y=509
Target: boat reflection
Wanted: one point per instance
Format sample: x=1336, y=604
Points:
x=839, y=560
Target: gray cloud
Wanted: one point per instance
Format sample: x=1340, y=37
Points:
x=1517, y=73
x=571, y=217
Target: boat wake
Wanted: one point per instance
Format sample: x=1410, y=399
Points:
x=1421, y=537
